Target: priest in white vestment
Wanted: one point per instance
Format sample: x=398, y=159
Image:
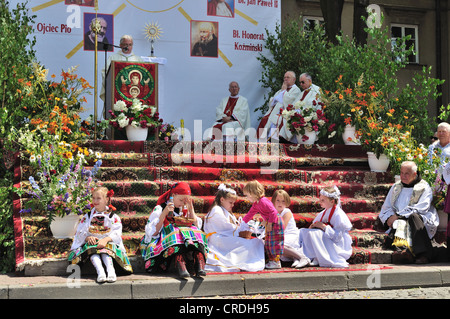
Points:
x=310, y=97
x=410, y=216
x=125, y=54
x=272, y=122
x=310, y=92
x=232, y=117
x=228, y=252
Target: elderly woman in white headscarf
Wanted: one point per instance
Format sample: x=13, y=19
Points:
x=443, y=144
x=327, y=241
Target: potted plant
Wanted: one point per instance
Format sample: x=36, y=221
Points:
x=307, y=123
x=51, y=142
x=371, y=117
x=136, y=117
x=341, y=106
x=166, y=131
x=64, y=197
x=59, y=184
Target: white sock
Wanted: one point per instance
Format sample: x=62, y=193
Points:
x=97, y=262
x=107, y=260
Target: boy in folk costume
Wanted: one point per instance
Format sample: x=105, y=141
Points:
x=99, y=238
x=327, y=241
x=173, y=233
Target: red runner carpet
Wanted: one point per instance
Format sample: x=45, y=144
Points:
x=139, y=172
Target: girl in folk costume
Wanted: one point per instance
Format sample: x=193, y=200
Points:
x=229, y=248
x=327, y=241
x=99, y=237
x=173, y=233
x=274, y=237
x=292, y=251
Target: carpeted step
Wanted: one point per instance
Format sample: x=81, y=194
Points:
x=209, y=188
x=175, y=173
x=300, y=206
x=139, y=172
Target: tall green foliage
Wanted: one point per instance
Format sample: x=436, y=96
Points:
x=291, y=48
x=16, y=56
x=6, y=223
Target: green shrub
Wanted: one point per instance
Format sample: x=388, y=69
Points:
x=345, y=62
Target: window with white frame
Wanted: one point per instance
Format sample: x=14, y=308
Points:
x=309, y=23
x=402, y=30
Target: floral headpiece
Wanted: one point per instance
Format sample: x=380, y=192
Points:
x=222, y=187
x=335, y=195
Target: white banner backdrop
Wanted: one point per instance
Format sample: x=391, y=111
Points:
x=190, y=87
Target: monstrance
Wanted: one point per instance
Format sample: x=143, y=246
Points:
x=152, y=32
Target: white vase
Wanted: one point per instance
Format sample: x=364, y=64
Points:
x=378, y=164
x=136, y=133
x=349, y=136
x=64, y=227
x=312, y=137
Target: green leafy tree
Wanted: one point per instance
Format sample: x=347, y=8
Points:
x=16, y=56
x=17, y=53
x=291, y=48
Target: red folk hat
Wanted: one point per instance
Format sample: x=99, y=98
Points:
x=181, y=188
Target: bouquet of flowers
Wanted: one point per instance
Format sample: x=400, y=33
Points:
x=136, y=114
x=399, y=146
x=166, y=131
x=61, y=194
x=301, y=119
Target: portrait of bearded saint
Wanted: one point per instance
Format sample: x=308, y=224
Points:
x=207, y=44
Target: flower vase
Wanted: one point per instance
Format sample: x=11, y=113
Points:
x=136, y=133
x=64, y=227
x=380, y=164
x=349, y=136
x=312, y=136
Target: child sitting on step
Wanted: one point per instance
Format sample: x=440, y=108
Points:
x=99, y=238
x=292, y=251
x=173, y=234
x=230, y=249
x=327, y=241
x=274, y=237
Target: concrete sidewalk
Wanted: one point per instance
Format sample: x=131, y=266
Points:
x=138, y=286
